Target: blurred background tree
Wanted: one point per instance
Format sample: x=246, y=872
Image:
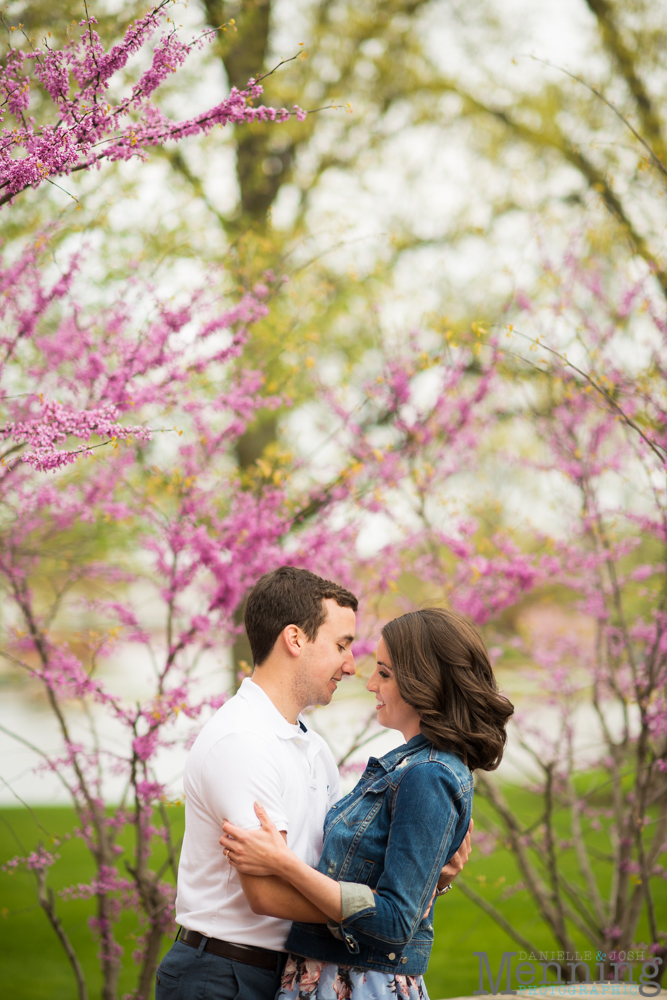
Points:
x=420, y=196
x=422, y=189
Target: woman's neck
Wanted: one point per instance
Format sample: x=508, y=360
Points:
x=412, y=730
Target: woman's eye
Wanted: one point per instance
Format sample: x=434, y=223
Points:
x=384, y=674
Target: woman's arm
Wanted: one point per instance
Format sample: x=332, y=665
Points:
x=428, y=816
x=272, y=896
x=265, y=852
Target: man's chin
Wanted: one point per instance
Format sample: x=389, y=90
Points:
x=325, y=697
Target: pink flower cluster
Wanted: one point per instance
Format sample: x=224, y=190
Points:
x=37, y=861
x=56, y=423
x=88, y=124
x=120, y=372
x=106, y=881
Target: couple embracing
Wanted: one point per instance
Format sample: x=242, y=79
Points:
x=307, y=894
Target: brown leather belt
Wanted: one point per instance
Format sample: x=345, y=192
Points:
x=262, y=958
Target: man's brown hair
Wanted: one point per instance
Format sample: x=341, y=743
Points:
x=289, y=596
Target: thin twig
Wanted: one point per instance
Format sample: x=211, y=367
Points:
x=47, y=902
x=28, y=807
x=496, y=915
x=610, y=104
x=603, y=392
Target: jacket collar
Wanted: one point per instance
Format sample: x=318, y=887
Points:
x=394, y=757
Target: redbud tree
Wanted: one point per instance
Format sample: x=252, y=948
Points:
x=120, y=434
x=592, y=723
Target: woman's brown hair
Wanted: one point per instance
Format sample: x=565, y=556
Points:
x=442, y=669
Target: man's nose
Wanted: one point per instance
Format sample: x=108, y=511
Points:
x=349, y=667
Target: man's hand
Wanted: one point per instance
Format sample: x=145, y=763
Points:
x=456, y=864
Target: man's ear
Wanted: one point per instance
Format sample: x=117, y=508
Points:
x=293, y=638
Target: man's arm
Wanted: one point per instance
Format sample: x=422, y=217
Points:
x=237, y=771
x=272, y=896
x=264, y=852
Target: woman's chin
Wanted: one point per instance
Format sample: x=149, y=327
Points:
x=381, y=716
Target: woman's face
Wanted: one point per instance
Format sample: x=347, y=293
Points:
x=392, y=711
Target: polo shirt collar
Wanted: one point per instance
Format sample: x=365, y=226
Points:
x=261, y=703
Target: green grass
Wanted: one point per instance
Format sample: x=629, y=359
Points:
x=32, y=963
x=462, y=928
x=33, y=967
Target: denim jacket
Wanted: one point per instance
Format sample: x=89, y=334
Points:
x=404, y=820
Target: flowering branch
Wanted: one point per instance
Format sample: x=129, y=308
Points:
x=658, y=449
x=78, y=80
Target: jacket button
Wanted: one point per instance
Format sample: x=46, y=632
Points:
x=404, y=960
x=391, y=956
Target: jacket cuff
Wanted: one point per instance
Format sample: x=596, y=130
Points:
x=334, y=929
x=354, y=897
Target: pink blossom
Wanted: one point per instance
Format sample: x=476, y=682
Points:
x=88, y=125
x=37, y=861
x=145, y=746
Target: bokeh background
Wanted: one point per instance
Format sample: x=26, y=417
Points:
x=460, y=163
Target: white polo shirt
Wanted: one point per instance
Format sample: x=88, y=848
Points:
x=248, y=752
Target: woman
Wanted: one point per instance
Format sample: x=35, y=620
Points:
x=386, y=842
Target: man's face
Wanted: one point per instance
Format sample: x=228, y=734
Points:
x=325, y=661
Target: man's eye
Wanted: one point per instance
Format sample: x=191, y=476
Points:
x=341, y=648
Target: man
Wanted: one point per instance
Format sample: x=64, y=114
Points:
x=257, y=749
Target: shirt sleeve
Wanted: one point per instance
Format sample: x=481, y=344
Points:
x=239, y=770
x=430, y=820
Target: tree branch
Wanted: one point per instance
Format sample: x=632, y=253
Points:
x=496, y=915
x=613, y=41
x=47, y=902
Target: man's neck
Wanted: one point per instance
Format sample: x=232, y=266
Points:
x=279, y=692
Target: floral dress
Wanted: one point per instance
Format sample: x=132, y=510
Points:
x=308, y=979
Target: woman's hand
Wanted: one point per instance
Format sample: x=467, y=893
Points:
x=255, y=852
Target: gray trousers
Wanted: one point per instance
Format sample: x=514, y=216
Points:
x=187, y=973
